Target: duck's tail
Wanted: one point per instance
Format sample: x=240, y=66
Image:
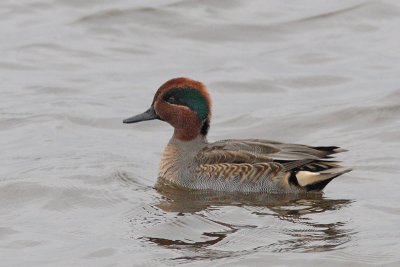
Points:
x=316, y=181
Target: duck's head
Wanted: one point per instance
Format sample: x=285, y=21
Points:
x=183, y=103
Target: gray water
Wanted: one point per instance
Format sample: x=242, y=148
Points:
x=76, y=185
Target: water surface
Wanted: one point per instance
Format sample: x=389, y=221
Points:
x=76, y=185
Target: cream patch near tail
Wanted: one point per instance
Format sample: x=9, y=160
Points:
x=307, y=178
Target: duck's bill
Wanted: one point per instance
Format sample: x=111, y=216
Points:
x=149, y=114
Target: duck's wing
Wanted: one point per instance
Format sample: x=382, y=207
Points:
x=306, y=166
x=276, y=150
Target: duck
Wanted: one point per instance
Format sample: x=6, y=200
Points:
x=191, y=162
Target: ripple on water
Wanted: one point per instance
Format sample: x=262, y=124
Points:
x=249, y=87
x=318, y=81
x=225, y=225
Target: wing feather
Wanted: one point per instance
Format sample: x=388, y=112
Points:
x=244, y=171
x=252, y=159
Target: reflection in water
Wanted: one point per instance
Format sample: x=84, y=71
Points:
x=205, y=223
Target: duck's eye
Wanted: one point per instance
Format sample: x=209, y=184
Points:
x=171, y=100
x=174, y=99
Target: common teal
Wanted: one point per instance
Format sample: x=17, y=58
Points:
x=248, y=165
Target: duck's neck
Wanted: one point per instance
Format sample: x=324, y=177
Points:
x=197, y=141
x=187, y=134
x=192, y=130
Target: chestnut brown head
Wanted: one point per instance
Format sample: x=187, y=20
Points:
x=183, y=103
